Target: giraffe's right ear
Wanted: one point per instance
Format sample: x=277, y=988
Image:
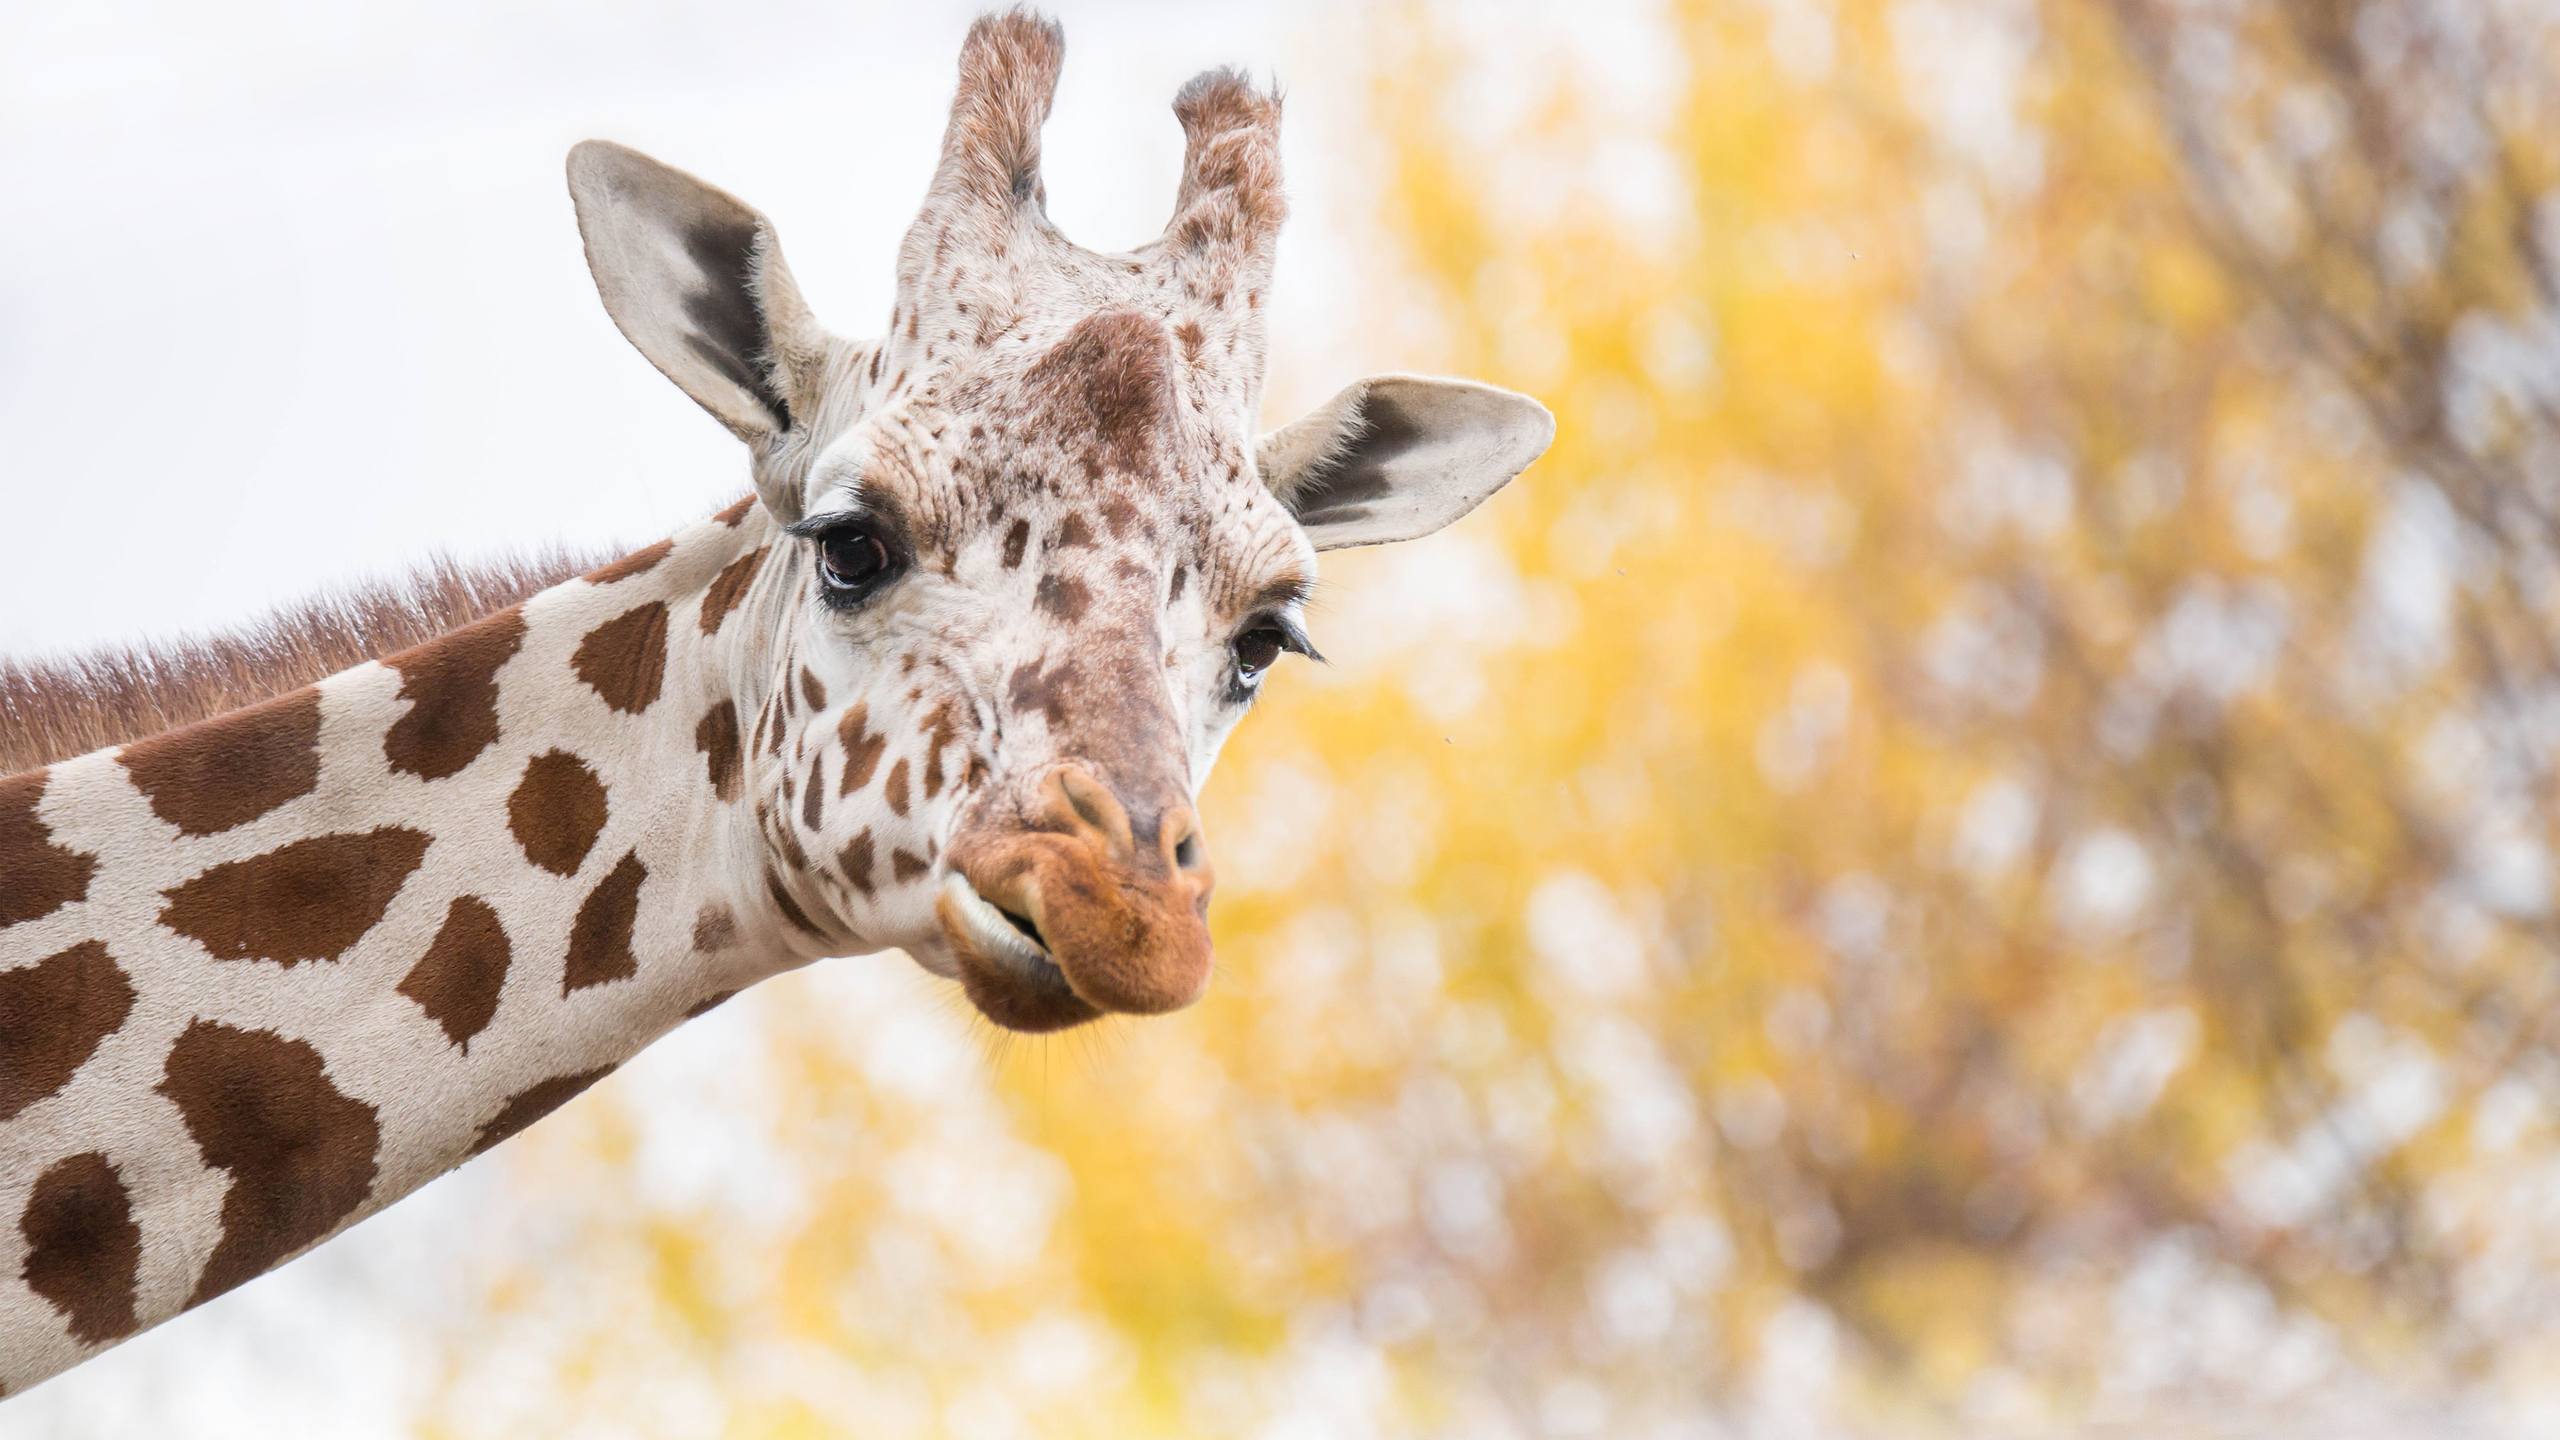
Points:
x=693, y=276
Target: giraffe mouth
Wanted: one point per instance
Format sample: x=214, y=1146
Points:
x=1002, y=933
x=1005, y=963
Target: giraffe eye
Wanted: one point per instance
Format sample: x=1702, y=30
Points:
x=1258, y=650
x=853, y=561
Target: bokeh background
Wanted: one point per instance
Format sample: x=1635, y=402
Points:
x=1971, y=854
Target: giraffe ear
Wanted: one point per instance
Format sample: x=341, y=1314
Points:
x=1396, y=457
x=693, y=277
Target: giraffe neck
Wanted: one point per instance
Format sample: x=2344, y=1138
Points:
x=264, y=975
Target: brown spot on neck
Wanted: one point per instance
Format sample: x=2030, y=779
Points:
x=638, y=562
x=557, y=811
x=452, y=687
x=624, y=660
x=309, y=900
x=856, y=863
x=83, y=1249
x=600, y=937
x=729, y=588
x=300, y=1152
x=37, y=877
x=54, y=1015
x=228, y=771
x=789, y=907
x=458, y=980
x=715, y=928
x=532, y=1104
x=717, y=738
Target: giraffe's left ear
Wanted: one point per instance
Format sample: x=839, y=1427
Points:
x=1396, y=457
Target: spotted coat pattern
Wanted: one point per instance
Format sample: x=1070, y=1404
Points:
x=262, y=975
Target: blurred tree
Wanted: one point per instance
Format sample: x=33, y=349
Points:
x=1973, y=848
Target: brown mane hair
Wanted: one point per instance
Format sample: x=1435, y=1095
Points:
x=54, y=709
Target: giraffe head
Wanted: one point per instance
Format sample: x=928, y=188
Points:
x=1035, y=561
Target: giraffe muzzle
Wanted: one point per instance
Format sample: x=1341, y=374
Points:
x=1075, y=910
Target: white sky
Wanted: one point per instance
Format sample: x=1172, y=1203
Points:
x=292, y=293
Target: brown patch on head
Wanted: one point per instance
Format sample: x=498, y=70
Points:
x=862, y=749
x=83, y=1249
x=1188, y=332
x=1072, y=534
x=728, y=588
x=37, y=877
x=856, y=862
x=1040, y=688
x=706, y=1006
x=452, y=687
x=532, y=1104
x=228, y=771
x=737, y=512
x=811, y=690
x=1181, y=577
x=1063, y=596
x=300, y=1152
x=638, y=562
x=1121, y=518
x=895, y=791
x=309, y=900
x=458, y=980
x=1106, y=385
x=53, y=1016
x=717, y=738
x=625, y=658
x=600, y=937
x=1016, y=540
x=557, y=811
x=907, y=867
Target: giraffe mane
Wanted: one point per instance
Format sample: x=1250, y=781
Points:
x=54, y=708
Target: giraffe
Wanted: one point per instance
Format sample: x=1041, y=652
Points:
x=946, y=681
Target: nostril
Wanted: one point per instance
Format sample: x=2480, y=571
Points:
x=1086, y=810
x=1093, y=804
x=1187, y=854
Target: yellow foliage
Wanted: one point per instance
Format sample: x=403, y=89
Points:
x=1969, y=845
